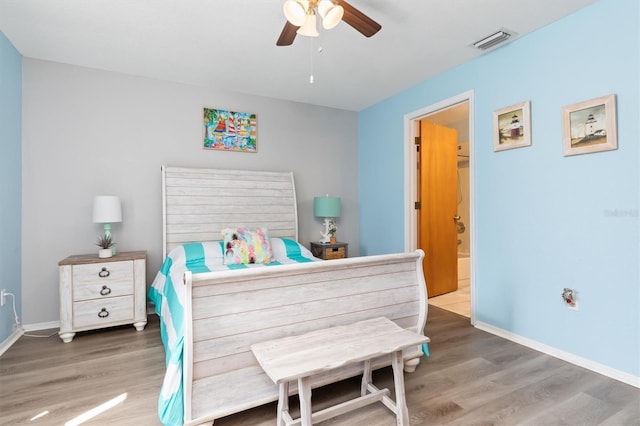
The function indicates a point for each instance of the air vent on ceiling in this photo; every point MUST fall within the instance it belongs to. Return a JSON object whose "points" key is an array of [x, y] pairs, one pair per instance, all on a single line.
{"points": [[493, 39]]}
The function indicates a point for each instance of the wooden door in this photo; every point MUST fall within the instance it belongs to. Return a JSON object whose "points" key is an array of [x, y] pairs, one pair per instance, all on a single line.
{"points": [[438, 180]]}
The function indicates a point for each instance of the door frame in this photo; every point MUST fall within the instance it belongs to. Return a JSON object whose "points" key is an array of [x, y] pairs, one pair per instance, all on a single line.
{"points": [[411, 130]]}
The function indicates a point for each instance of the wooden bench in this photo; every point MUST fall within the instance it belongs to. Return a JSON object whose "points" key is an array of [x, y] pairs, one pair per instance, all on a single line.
{"points": [[301, 357]]}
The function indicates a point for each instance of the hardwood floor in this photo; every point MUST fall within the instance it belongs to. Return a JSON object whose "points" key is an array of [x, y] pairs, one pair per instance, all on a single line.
{"points": [[471, 378]]}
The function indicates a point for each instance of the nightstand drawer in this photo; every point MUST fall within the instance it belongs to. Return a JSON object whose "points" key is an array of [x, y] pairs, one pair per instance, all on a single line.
{"points": [[102, 312], [328, 251], [335, 253], [103, 272], [101, 290]]}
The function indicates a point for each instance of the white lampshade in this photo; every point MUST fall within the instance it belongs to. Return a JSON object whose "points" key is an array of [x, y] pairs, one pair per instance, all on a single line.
{"points": [[330, 13], [309, 27], [107, 209], [296, 11]]}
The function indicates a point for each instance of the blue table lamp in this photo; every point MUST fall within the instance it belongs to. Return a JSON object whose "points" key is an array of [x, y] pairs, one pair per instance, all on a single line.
{"points": [[327, 208], [107, 210]]}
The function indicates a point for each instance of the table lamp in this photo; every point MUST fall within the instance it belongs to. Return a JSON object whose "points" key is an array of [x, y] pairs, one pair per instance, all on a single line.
{"points": [[107, 210], [327, 208]]}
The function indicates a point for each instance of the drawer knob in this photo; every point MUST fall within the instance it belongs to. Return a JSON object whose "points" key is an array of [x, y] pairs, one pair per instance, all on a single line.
{"points": [[104, 273], [105, 291], [103, 313]]}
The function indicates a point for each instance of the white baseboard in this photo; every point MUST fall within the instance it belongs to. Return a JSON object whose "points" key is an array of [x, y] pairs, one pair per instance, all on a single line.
{"points": [[21, 330], [41, 326], [560, 354], [9, 341]]}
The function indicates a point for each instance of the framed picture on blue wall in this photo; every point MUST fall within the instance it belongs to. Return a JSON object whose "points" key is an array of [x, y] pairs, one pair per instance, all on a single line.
{"points": [[512, 126], [590, 126]]}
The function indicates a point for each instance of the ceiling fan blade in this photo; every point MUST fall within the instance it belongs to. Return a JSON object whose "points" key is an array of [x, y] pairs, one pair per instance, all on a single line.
{"points": [[359, 20], [287, 35]]}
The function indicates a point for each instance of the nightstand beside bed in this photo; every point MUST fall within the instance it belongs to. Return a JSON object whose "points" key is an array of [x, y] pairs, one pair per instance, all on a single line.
{"points": [[102, 292], [330, 251]]}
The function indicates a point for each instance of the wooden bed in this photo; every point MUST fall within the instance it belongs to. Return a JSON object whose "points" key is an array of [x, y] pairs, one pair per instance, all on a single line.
{"points": [[225, 312]]}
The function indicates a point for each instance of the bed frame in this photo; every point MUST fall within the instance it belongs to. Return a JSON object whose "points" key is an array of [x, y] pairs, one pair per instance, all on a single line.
{"points": [[226, 312]]}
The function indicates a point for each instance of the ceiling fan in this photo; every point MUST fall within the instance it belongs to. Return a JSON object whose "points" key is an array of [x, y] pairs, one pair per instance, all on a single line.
{"points": [[301, 19]]}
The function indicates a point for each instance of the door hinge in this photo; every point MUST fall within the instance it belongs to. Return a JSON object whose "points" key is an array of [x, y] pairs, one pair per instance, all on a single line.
{"points": [[418, 205], [417, 141]]}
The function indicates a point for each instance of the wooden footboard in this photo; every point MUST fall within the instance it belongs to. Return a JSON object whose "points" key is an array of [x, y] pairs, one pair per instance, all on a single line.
{"points": [[227, 312]]}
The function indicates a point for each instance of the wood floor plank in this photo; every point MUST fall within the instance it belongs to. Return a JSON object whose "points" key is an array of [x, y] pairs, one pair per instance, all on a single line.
{"points": [[629, 415], [614, 392], [471, 378], [580, 409], [527, 402]]}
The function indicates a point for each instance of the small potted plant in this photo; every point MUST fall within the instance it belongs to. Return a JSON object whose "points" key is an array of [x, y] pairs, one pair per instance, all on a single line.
{"points": [[332, 231], [105, 242]]}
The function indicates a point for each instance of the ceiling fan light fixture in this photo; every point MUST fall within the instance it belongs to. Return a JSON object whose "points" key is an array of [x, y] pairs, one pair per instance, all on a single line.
{"points": [[324, 6], [296, 11], [332, 16], [309, 27], [331, 13]]}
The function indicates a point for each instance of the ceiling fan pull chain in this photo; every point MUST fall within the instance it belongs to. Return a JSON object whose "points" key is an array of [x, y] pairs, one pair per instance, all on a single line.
{"points": [[311, 62]]}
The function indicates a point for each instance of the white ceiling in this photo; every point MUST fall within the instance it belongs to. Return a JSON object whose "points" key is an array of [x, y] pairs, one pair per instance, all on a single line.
{"points": [[230, 44]]}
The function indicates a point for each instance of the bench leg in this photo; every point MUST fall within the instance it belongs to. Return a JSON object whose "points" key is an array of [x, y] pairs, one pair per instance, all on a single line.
{"points": [[402, 412], [304, 392], [283, 402], [366, 378]]}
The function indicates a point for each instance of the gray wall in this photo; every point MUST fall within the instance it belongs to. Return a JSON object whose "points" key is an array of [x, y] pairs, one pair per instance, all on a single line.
{"points": [[89, 132]]}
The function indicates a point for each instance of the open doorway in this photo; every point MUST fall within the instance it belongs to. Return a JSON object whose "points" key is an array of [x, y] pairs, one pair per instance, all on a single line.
{"points": [[454, 115]]}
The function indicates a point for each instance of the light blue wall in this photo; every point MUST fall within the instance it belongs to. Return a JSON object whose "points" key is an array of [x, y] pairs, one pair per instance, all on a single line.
{"points": [[543, 221], [10, 178]]}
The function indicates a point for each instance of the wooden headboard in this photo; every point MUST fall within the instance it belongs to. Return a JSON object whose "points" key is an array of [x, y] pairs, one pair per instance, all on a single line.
{"points": [[198, 203]]}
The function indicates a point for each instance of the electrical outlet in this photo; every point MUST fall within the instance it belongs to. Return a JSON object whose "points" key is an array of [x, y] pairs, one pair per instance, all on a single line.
{"points": [[3, 297], [570, 298]]}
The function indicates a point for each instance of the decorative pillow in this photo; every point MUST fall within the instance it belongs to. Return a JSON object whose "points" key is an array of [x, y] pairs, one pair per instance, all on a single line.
{"points": [[244, 246]]}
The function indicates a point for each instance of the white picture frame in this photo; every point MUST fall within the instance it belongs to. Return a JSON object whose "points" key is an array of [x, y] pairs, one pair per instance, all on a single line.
{"points": [[590, 126], [512, 126]]}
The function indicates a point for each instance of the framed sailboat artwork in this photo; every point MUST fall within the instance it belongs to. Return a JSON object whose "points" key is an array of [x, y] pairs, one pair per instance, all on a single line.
{"points": [[225, 130]]}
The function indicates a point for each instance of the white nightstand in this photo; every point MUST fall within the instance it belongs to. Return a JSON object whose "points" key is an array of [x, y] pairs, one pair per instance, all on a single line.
{"points": [[97, 293]]}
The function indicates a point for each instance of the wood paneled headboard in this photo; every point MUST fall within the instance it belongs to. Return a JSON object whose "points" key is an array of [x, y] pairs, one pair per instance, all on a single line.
{"points": [[197, 203]]}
